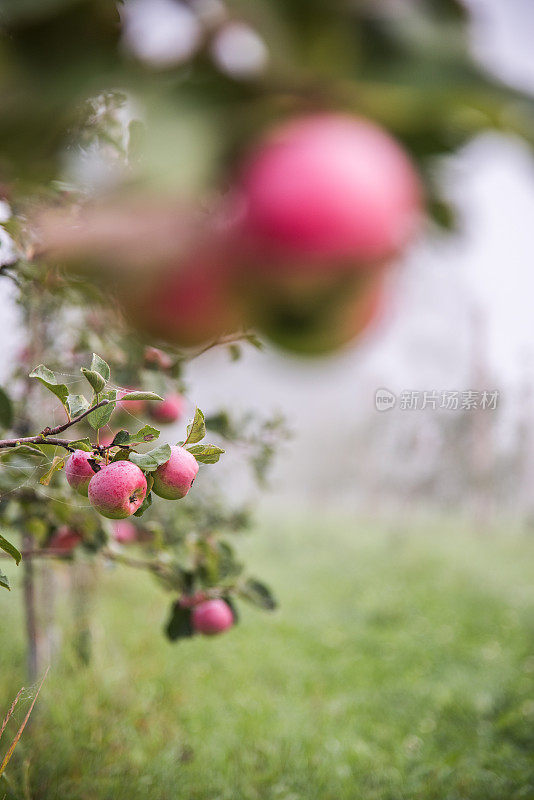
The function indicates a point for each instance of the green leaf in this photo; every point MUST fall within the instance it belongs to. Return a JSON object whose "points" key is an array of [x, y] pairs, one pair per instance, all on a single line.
{"points": [[57, 463], [97, 419], [102, 367], [77, 404], [206, 453], [6, 410], [197, 429], [233, 608], [222, 424], [145, 434], [82, 444], [179, 625], [95, 379], [150, 461], [48, 379], [141, 396], [37, 449], [227, 566], [258, 594], [10, 549], [4, 581], [147, 502], [121, 455]]}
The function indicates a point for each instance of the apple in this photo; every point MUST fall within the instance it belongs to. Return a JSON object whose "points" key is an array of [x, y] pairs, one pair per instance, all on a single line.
{"points": [[65, 539], [78, 471], [168, 410], [173, 479], [131, 406], [124, 531], [117, 491], [154, 357], [188, 302], [211, 617], [329, 192]]}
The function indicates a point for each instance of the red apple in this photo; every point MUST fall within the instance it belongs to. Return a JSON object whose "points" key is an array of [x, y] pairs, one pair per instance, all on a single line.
{"points": [[188, 302], [211, 617], [78, 471], [157, 358], [124, 531], [117, 491], [173, 479], [168, 410], [65, 539], [328, 191]]}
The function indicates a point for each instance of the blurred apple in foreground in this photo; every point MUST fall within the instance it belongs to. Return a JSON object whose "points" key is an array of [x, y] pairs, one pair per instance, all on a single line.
{"points": [[188, 303], [328, 201], [317, 211], [317, 322], [329, 192]]}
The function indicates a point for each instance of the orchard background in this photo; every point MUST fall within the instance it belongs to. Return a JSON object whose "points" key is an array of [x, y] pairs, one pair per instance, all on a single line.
{"points": [[227, 230]]}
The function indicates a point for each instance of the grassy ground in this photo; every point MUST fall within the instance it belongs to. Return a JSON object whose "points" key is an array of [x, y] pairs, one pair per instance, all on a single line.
{"points": [[399, 666]]}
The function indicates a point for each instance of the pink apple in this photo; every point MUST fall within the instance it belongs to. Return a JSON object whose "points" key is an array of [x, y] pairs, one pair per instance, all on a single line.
{"points": [[65, 539], [78, 471], [157, 358], [117, 491], [131, 406], [124, 531], [173, 479], [211, 617], [168, 410], [187, 302], [327, 191]]}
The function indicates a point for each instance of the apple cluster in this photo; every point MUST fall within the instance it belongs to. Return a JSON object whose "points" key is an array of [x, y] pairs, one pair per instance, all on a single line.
{"points": [[117, 490]]}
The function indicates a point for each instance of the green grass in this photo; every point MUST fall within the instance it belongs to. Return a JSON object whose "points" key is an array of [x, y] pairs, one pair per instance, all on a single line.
{"points": [[399, 667]]}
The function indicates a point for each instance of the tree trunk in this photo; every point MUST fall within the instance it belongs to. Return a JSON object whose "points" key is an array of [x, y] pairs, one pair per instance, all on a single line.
{"points": [[29, 609]]}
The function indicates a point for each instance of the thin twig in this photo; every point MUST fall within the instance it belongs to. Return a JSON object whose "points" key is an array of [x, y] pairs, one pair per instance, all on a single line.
{"points": [[48, 435], [61, 428], [222, 340], [39, 439]]}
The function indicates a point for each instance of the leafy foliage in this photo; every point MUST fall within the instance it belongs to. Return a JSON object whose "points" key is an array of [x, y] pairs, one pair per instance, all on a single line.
{"points": [[48, 379], [10, 549], [6, 410], [179, 624], [197, 429]]}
